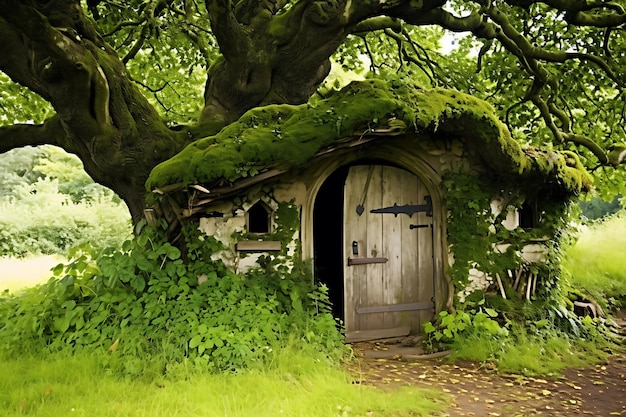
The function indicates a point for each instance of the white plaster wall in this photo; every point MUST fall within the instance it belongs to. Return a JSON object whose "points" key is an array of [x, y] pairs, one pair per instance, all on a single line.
{"points": [[234, 221]]}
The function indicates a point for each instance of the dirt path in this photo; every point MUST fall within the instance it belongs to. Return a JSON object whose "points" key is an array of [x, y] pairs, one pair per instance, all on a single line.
{"points": [[598, 391]]}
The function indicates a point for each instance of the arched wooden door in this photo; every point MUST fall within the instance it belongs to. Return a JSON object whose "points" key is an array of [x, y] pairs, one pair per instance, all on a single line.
{"points": [[388, 252]]}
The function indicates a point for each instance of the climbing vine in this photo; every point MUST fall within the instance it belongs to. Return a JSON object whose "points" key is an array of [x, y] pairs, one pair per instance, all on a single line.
{"points": [[504, 297], [491, 261]]}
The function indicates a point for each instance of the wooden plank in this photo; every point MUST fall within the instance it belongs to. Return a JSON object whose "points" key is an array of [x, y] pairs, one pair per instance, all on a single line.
{"points": [[410, 253], [363, 335], [425, 267], [375, 272], [394, 186], [258, 245], [396, 307], [365, 261], [354, 230]]}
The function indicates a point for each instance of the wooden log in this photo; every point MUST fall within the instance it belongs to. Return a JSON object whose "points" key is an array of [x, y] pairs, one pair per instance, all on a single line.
{"points": [[500, 286]]}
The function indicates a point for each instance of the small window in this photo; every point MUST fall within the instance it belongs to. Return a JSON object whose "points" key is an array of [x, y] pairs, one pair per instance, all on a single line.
{"points": [[527, 216], [259, 218]]}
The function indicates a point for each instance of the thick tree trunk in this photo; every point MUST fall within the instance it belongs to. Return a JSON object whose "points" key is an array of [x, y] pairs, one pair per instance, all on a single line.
{"points": [[268, 57], [101, 116]]}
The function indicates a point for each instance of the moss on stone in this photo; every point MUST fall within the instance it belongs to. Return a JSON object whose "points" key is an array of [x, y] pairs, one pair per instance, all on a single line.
{"points": [[288, 136]]}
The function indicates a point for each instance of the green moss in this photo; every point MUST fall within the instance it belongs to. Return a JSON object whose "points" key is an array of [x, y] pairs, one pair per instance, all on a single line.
{"points": [[283, 135], [288, 136], [561, 168]]}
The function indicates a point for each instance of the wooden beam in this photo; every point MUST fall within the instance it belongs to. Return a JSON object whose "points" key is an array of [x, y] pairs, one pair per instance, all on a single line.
{"points": [[365, 261], [258, 245], [396, 307]]}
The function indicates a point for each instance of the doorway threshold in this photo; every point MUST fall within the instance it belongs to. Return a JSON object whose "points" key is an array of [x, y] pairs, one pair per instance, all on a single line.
{"points": [[365, 335]]}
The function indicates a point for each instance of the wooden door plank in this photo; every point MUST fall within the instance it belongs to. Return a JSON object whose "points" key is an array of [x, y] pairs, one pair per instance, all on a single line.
{"points": [[392, 238], [355, 230], [375, 277], [396, 307], [425, 261], [409, 276]]}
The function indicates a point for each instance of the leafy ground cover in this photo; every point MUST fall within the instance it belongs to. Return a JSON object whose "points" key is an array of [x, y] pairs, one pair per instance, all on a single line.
{"points": [[524, 376], [481, 390]]}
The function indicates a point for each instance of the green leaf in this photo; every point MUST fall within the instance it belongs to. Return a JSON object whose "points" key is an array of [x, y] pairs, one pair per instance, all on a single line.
{"points": [[58, 270], [173, 253], [67, 281], [195, 341], [138, 283], [61, 324], [428, 327]]}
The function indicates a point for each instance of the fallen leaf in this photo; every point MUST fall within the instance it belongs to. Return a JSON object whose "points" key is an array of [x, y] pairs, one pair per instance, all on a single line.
{"points": [[114, 346]]}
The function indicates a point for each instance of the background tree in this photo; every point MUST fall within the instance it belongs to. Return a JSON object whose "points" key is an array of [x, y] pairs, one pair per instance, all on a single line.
{"points": [[127, 85], [49, 205]]}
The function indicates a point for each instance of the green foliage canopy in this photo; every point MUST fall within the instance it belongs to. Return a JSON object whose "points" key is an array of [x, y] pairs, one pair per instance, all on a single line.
{"points": [[108, 81], [128, 86]]}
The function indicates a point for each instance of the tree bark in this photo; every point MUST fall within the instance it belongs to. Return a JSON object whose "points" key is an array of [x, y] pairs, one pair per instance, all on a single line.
{"points": [[101, 116], [273, 51], [53, 49]]}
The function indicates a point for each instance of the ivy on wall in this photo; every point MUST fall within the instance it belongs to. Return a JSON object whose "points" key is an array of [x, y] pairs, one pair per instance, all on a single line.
{"points": [[286, 225], [478, 241]]}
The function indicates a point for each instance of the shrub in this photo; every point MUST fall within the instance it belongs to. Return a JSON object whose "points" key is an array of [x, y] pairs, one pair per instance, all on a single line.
{"points": [[49, 223], [144, 301]]}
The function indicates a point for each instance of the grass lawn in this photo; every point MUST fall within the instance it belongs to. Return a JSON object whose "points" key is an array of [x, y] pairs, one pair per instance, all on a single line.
{"points": [[81, 386], [20, 273], [596, 262]]}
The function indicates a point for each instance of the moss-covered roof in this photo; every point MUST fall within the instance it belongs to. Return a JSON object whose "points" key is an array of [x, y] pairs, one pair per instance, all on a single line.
{"points": [[288, 136]]}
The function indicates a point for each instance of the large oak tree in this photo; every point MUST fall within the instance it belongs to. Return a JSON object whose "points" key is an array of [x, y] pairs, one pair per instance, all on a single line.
{"points": [[128, 84]]}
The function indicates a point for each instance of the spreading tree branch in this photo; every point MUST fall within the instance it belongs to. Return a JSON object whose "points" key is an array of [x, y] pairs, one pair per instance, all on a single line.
{"points": [[19, 135]]}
